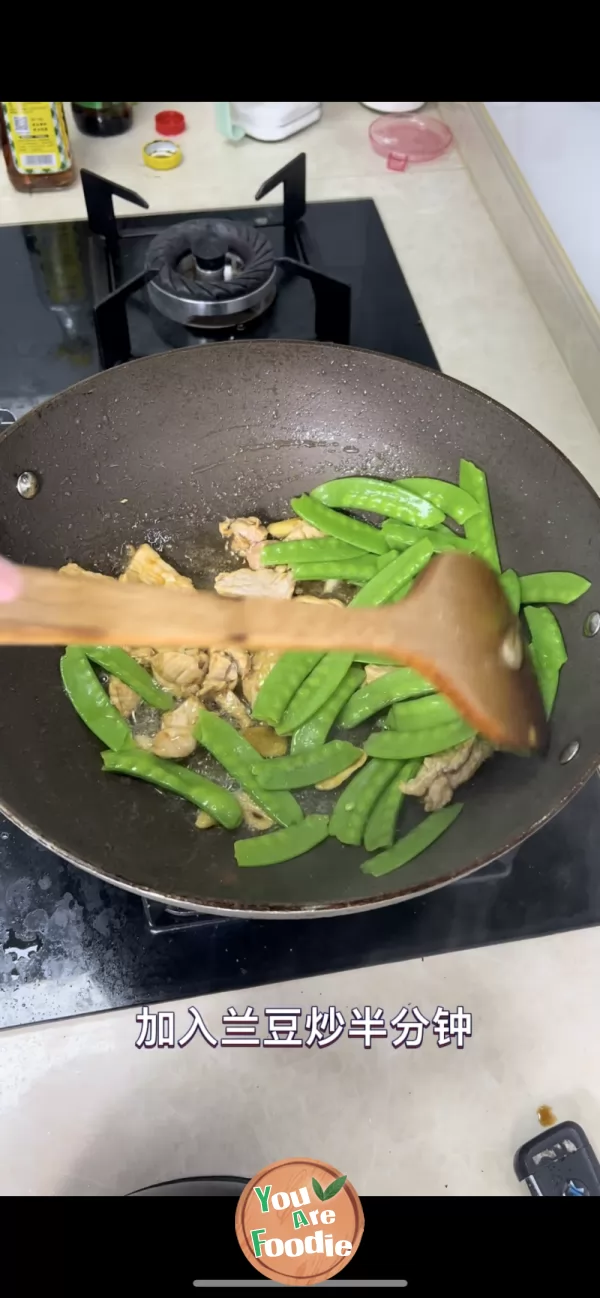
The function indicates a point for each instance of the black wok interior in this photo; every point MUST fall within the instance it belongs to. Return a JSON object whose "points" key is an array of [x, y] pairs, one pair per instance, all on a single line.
{"points": [[161, 450]]}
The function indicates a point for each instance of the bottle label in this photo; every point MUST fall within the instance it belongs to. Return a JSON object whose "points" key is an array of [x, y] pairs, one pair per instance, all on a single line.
{"points": [[37, 137]]}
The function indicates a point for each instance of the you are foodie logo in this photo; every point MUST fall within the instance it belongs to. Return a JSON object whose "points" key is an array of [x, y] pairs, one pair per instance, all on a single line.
{"points": [[299, 1221]]}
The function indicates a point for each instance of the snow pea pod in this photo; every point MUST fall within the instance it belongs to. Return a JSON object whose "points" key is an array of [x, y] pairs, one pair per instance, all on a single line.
{"points": [[354, 571], [284, 679], [511, 586], [331, 669], [452, 500], [377, 496], [121, 664], [548, 652], [315, 690], [480, 528], [355, 803], [314, 732], [90, 700], [381, 825], [283, 844], [301, 770], [442, 538], [403, 683], [242, 761], [382, 588], [363, 535], [395, 745], [218, 802], [423, 713], [552, 587], [322, 549], [405, 849]]}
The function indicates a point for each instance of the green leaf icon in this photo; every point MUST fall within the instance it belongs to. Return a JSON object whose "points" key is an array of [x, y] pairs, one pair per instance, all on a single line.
{"points": [[335, 1187], [320, 1193]]}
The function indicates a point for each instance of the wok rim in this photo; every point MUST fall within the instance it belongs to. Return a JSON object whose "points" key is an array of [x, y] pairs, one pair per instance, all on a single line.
{"points": [[233, 909]]}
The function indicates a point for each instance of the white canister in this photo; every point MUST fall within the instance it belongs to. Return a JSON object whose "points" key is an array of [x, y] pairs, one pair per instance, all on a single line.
{"points": [[264, 120], [395, 108]]}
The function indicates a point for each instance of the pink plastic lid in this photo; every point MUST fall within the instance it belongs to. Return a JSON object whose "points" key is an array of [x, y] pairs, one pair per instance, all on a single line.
{"points": [[409, 139]]}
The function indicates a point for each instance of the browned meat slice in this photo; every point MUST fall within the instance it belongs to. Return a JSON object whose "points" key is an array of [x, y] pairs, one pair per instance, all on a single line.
{"points": [[228, 703], [181, 671], [440, 775], [175, 737], [268, 583], [222, 674], [124, 699], [261, 663], [148, 567], [243, 534]]}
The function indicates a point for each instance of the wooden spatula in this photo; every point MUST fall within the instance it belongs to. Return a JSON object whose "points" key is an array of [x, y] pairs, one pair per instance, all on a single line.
{"points": [[455, 627]]}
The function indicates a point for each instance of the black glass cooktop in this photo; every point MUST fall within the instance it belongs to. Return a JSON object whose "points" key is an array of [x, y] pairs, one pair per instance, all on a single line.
{"points": [[75, 298]]}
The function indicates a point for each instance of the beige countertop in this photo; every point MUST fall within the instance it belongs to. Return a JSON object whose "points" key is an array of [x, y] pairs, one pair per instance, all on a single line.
{"points": [[427, 1121]]}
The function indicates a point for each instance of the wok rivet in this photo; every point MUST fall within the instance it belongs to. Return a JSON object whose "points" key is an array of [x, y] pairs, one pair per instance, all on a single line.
{"points": [[591, 625], [28, 484], [569, 752]]}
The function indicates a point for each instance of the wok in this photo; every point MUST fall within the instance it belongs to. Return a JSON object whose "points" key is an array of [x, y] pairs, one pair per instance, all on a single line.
{"points": [[160, 450]]}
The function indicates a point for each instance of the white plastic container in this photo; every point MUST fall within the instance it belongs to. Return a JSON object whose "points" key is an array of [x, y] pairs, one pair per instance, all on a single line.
{"points": [[386, 107], [264, 120]]}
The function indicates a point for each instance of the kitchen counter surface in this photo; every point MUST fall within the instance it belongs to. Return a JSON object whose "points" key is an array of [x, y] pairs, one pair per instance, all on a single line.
{"points": [[540, 1045]]}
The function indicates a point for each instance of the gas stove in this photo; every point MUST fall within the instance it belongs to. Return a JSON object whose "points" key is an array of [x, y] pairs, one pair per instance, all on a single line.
{"points": [[88, 295]]}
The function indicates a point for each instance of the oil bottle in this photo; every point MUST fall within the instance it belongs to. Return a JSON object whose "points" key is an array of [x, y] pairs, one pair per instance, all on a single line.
{"points": [[35, 144]]}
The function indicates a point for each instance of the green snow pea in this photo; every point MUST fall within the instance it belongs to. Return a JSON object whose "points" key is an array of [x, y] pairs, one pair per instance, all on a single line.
{"points": [[552, 587], [284, 679], [354, 571], [243, 762], [401, 535], [548, 652], [364, 535], [405, 849], [315, 690], [90, 700], [314, 732], [301, 770], [511, 586], [423, 713], [282, 844], [377, 496], [381, 825], [321, 549], [363, 568], [317, 687], [403, 683], [357, 800], [218, 802], [121, 664], [480, 528], [388, 583], [452, 500], [396, 746]]}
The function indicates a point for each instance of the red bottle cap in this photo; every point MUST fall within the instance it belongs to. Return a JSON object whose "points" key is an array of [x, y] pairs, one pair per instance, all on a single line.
{"points": [[169, 122]]}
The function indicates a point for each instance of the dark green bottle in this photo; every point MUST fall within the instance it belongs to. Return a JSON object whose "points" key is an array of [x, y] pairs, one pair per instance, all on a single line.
{"points": [[102, 118]]}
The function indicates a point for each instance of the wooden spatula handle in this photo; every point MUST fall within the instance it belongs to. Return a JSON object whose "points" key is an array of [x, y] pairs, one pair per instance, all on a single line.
{"points": [[56, 609]]}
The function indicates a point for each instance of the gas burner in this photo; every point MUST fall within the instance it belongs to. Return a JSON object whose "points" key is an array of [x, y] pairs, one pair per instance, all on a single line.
{"points": [[211, 273]]}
